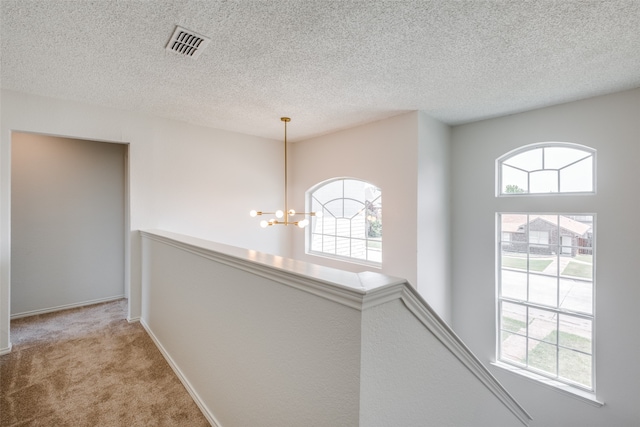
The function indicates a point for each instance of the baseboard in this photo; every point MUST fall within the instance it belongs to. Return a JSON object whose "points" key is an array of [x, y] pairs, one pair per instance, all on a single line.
{"points": [[65, 307], [194, 394], [6, 350], [133, 319]]}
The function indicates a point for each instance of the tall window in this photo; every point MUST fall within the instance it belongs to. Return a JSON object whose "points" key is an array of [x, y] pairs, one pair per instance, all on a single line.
{"points": [[351, 224], [545, 264]]}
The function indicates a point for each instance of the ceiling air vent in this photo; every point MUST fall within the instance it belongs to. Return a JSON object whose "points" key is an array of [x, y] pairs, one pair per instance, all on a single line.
{"points": [[187, 43]]}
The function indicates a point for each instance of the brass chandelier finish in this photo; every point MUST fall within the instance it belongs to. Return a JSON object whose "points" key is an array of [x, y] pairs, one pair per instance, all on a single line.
{"points": [[286, 213]]}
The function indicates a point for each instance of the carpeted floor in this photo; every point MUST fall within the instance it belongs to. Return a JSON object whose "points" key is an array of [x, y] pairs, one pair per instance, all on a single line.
{"points": [[89, 367]]}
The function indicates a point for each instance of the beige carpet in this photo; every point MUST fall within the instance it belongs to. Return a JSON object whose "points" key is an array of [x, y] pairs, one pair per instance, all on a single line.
{"points": [[89, 367]]}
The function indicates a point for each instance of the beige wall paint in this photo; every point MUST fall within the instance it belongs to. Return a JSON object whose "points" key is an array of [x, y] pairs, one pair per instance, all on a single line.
{"points": [[383, 153]]}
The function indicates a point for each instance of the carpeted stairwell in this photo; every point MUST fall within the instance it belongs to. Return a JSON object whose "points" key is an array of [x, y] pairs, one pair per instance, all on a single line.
{"points": [[89, 367]]}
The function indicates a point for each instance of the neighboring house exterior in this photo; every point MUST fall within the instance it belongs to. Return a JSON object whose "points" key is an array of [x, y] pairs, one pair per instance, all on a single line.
{"points": [[545, 234]]}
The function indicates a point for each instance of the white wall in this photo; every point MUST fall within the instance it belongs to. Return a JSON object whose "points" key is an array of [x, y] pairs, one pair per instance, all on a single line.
{"points": [[261, 340], [611, 125], [68, 219], [433, 233], [410, 379], [254, 349], [182, 177]]}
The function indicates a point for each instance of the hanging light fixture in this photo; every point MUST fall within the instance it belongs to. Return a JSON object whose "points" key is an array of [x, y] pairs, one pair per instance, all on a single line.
{"points": [[286, 213]]}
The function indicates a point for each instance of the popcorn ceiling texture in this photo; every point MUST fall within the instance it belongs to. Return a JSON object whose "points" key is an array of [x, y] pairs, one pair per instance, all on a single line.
{"points": [[327, 64]]}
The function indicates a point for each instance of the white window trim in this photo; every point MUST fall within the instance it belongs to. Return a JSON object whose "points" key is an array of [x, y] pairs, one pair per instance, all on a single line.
{"points": [[566, 389], [309, 231], [576, 390], [508, 155]]}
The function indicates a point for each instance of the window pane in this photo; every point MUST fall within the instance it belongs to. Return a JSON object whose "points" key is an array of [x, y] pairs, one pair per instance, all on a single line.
{"points": [[352, 222], [329, 225], [514, 285], [577, 177], [543, 289], [543, 325], [578, 264], [513, 347], [575, 366], [514, 180], [559, 157], [354, 189], [514, 318], [316, 242], [335, 208], [329, 191], [329, 244], [529, 160], [543, 356], [575, 333], [343, 246], [537, 236], [543, 182], [358, 249], [374, 250], [358, 227], [316, 206], [576, 295], [343, 227], [353, 208]]}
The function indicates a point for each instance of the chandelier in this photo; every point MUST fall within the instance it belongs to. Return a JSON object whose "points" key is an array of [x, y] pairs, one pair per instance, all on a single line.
{"points": [[282, 217]]}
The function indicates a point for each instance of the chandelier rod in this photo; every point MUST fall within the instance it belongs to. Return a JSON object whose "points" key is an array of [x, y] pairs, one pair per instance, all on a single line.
{"points": [[286, 192]]}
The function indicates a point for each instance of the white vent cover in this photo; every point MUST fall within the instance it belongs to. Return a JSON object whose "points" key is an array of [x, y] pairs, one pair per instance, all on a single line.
{"points": [[187, 43]]}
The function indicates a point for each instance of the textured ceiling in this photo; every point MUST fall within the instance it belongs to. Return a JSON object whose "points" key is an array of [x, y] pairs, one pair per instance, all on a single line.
{"points": [[327, 64]]}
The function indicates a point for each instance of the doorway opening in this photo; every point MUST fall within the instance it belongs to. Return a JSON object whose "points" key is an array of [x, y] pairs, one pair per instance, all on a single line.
{"points": [[70, 240]]}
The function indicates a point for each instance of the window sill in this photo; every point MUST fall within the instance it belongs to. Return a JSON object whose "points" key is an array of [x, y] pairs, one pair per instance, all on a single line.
{"points": [[576, 393]]}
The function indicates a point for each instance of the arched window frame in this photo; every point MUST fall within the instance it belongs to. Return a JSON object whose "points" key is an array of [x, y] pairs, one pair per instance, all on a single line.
{"points": [[371, 244], [501, 161], [517, 207]]}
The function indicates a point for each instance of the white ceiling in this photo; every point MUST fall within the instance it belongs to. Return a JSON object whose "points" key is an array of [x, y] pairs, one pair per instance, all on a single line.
{"points": [[329, 65]]}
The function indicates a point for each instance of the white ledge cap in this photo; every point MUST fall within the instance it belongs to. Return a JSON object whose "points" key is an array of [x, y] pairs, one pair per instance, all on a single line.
{"points": [[363, 283]]}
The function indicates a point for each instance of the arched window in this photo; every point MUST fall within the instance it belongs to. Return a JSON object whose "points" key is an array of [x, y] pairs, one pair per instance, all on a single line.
{"points": [[546, 263], [547, 168], [351, 223]]}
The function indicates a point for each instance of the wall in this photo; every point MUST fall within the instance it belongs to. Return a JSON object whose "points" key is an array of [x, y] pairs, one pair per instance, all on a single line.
{"points": [[410, 379], [433, 233], [253, 348], [611, 125], [68, 219], [182, 177], [264, 340], [383, 153], [407, 157]]}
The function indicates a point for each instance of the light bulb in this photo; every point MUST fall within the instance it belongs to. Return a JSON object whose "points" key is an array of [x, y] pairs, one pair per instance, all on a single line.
{"points": [[318, 214], [279, 214], [292, 212], [303, 223], [253, 213], [264, 224]]}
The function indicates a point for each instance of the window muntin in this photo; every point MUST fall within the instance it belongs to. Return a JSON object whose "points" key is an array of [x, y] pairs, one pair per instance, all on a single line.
{"points": [[547, 168], [545, 295], [351, 223]]}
